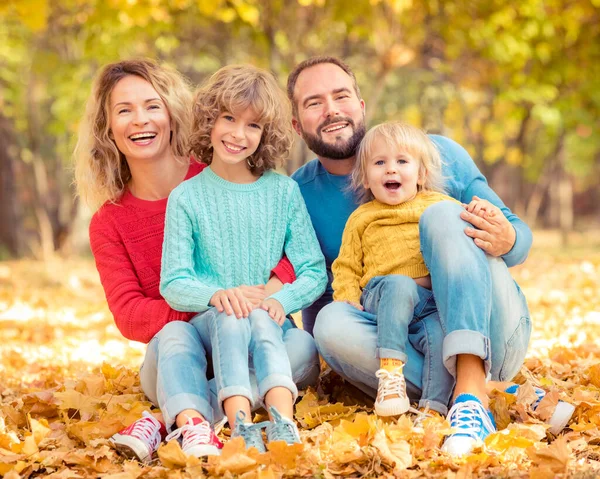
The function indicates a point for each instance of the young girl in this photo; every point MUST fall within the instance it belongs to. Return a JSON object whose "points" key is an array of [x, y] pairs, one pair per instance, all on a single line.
{"points": [[228, 227], [380, 268]]}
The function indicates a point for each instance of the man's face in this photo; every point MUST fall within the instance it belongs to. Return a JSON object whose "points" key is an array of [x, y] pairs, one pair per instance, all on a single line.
{"points": [[331, 117]]}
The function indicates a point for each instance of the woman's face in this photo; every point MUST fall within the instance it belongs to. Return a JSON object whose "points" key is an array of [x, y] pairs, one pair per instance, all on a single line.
{"points": [[139, 121]]}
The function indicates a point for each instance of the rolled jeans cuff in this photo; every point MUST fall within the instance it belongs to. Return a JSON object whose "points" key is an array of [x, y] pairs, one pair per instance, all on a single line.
{"points": [[232, 391], [433, 405], [391, 354], [180, 402], [276, 380], [465, 341]]}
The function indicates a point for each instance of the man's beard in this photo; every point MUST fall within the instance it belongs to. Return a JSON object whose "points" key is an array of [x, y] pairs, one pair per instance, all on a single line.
{"points": [[336, 151]]}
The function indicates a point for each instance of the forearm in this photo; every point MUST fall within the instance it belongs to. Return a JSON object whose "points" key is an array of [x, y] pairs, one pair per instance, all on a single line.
{"points": [[187, 294]]}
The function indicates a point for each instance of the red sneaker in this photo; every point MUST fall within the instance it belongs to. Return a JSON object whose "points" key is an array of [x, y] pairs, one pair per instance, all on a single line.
{"points": [[197, 438], [140, 439]]}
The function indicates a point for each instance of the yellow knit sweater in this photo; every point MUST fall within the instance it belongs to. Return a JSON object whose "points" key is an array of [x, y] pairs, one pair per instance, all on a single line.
{"points": [[378, 240]]}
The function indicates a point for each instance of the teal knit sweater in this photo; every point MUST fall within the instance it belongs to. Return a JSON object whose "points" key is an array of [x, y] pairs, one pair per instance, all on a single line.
{"points": [[220, 235]]}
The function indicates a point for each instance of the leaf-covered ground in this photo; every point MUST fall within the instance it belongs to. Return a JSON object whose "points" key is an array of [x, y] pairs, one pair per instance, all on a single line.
{"points": [[68, 380]]}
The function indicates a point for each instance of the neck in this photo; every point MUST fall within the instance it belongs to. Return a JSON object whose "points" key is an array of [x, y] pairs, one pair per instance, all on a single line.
{"points": [[238, 173], [155, 180], [338, 167]]}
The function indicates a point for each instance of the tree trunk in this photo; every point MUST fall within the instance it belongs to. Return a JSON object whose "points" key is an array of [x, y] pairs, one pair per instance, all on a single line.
{"points": [[10, 207]]}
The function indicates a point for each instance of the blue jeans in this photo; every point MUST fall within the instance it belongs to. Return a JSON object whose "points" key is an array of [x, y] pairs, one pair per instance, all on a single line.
{"points": [[481, 311], [309, 315], [233, 340], [394, 300], [173, 374]]}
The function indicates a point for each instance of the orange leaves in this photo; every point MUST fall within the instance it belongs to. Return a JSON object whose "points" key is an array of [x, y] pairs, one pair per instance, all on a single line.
{"points": [[57, 411]]}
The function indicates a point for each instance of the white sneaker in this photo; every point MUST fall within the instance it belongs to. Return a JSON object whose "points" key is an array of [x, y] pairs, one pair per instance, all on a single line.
{"points": [[197, 438], [140, 439], [391, 384], [561, 416], [471, 423]]}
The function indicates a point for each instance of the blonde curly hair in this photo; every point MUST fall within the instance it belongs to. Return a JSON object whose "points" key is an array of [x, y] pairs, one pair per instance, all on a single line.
{"points": [[404, 137], [101, 170], [234, 89]]}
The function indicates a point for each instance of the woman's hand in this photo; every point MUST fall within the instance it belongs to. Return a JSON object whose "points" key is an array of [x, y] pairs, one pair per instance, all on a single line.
{"points": [[255, 294], [275, 310], [232, 301]]}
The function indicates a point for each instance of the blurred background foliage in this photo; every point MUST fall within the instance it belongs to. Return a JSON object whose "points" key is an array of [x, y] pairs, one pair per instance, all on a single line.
{"points": [[516, 83]]}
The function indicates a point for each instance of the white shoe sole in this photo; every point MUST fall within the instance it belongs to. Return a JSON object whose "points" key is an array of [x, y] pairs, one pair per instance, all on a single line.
{"points": [[202, 451], [561, 417], [131, 448], [392, 407]]}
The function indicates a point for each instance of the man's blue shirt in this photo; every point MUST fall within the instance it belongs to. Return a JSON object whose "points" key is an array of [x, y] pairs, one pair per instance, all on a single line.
{"points": [[330, 202]]}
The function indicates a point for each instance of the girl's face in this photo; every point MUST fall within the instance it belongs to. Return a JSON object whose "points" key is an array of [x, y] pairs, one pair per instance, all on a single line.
{"points": [[392, 174], [235, 137], [139, 120]]}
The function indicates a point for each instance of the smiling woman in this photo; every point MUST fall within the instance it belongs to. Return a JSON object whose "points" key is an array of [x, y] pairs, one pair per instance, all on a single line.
{"points": [[131, 153]]}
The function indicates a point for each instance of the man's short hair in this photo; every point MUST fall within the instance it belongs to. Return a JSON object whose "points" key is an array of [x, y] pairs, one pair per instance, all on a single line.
{"points": [[311, 62]]}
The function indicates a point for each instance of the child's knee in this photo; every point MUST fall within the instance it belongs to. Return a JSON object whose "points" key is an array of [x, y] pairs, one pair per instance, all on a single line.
{"points": [[261, 323]]}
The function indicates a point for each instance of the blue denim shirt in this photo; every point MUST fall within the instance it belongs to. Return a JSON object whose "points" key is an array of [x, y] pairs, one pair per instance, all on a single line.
{"points": [[330, 202]]}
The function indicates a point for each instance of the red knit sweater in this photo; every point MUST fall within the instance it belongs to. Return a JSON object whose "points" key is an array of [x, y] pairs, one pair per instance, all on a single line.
{"points": [[126, 240]]}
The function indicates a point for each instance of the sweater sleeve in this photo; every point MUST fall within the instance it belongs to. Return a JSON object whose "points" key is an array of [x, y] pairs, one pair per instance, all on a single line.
{"points": [[473, 183], [303, 250], [348, 267], [284, 271], [137, 316], [179, 284]]}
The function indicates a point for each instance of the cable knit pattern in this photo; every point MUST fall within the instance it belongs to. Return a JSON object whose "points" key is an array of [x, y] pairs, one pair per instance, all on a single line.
{"points": [[219, 235], [378, 240], [126, 239]]}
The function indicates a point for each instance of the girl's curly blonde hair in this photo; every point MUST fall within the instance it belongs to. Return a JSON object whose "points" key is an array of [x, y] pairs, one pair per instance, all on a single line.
{"points": [[101, 170], [404, 137], [234, 89]]}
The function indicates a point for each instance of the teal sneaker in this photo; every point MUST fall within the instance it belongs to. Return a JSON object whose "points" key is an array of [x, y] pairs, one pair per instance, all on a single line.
{"points": [[250, 432], [472, 424], [282, 429]]}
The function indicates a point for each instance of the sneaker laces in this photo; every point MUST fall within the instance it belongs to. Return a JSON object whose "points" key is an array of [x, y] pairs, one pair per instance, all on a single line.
{"points": [[251, 433], [192, 434], [390, 383], [147, 430], [421, 416], [282, 429], [466, 417]]}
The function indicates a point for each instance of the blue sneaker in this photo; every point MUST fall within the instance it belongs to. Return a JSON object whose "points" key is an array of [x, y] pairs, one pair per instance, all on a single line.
{"points": [[282, 429], [472, 424], [250, 432], [561, 416]]}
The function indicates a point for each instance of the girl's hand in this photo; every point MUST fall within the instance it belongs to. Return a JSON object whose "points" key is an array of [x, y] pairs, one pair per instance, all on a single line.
{"points": [[480, 207], [232, 301], [254, 294], [275, 310]]}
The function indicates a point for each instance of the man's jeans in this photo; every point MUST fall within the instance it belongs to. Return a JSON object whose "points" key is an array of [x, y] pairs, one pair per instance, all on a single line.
{"points": [[481, 311], [173, 374]]}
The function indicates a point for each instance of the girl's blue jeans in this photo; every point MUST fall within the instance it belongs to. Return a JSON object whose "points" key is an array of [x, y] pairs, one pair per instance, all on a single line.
{"points": [[173, 374], [481, 311]]}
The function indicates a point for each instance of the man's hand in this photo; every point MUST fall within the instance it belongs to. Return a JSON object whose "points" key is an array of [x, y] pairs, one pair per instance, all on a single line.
{"points": [[275, 310], [232, 301], [494, 234]]}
